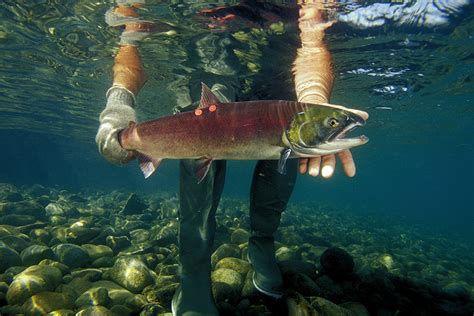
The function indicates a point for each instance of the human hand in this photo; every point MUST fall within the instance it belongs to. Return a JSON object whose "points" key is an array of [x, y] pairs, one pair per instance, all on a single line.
{"points": [[327, 163], [116, 116]]}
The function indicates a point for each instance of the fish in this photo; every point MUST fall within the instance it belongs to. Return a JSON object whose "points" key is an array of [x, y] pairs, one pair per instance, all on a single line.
{"points": [[249, 130]]}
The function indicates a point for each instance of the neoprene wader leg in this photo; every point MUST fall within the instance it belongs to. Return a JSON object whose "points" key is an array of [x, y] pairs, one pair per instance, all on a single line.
{"points": [[197, 226], [269, 197]]}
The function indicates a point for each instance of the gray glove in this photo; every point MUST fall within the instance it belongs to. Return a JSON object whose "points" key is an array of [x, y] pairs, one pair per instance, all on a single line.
{"points": [[116, 116]]}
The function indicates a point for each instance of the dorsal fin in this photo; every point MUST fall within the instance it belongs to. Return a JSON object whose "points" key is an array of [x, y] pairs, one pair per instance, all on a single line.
{"points": [[208, 98]]}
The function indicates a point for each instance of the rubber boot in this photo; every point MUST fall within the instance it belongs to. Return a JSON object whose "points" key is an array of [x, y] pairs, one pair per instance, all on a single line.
{"points": [[269, 197]]}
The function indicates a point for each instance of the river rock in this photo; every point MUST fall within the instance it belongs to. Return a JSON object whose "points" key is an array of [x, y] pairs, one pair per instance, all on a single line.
{"points": [[97, 251], [225, 250], [41, 235], [337, 263], [45, 302], [238, 265], [118, 243], [33, 280], [134, 205], [8, 258], [54, 209], [104, 262], [71, 255], [94, 297], [62, 312], [356, 308], [13, 197], [88, 274], [226, 285], [27, 207], [17, 220], [285, 253], [161, 294], [291, 267], [239, 236], [303, 284], [35, 253], [328, 308], [95, 311], [15, 242], [131, 273]]}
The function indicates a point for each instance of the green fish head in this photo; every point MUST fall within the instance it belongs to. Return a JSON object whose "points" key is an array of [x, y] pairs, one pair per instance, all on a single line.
{"points": [[320, 130]]}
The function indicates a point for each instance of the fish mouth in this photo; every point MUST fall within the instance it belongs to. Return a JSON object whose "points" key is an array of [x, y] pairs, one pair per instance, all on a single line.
{"points": [[340, 142]]}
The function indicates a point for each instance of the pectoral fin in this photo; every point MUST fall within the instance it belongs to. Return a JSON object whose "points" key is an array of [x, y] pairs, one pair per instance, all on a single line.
{"points": [[284, 155], [202, 168], [147, 164]]}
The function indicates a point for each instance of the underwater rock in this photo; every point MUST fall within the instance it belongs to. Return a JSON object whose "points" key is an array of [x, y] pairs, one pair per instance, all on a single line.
{"points": [[95, 311], [54, 209], [45, 302], [71, 255], [131, 273], [303, 284], [17, 220], [48, 262], [118, 243], [285, 253], [329, 288], [457, 291], [27, 207], [62, 312], [13, 197], [35, 253], [139, 235], [226, 285], [169, 208], [337, 263], [8, 258], [356, 308], [312, 253], [133, 205], [166, 235], [17, 243], [328, 308], [121, 310], [225, 250], [104, 262], [33, 280], [94, 297], [238, 265], [297, 305], [248, 289], [75, 287], [97, 251], [38, 190], [239, 236], [170, 269], [153, 309], [78, 234], [161, 294], [292, 267], [88, 274], [41, 235]]}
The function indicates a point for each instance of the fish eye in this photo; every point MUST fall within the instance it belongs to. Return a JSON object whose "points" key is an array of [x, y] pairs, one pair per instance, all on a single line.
{"points": [[333, 122]]}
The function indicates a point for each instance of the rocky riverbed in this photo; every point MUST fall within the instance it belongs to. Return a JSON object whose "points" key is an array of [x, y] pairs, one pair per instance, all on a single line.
{"points": [[115, 253]]}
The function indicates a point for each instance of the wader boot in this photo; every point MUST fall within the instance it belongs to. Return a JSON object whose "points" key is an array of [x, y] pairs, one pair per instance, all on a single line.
{"points": [[197, 227], [269, 196]]}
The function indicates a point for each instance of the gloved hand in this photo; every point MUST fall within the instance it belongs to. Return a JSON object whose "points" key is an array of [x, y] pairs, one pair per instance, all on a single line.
{"points": [[116, 116]]}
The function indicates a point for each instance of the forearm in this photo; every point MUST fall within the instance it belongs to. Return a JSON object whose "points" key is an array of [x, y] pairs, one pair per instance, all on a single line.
{"points": [[312, 67]]}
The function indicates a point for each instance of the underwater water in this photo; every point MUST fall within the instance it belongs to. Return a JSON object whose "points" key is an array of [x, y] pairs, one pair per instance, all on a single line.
{"points": [[406, 219]]}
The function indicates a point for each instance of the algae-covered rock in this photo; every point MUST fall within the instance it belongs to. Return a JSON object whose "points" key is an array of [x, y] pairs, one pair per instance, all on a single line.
{"points": [[225, 250], [337, 263], [17, 219], [162, 294], [97, 251], [328, 308], [239, 236], [17, 243], [45, 302], [8, 258], [134, 205], [238, 265], [356, 308], [131, 273], [33, 280], [285, 253], [35, 253], [62, 312], [94, 297], [95, 311], [226, 284], [71, 255], [118, 243]]}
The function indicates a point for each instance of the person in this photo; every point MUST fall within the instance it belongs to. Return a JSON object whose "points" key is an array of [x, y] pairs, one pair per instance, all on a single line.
{"points": [[270, 190]]}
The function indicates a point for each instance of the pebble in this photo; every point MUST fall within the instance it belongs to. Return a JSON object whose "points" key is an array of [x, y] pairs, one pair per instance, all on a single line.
{"points": [[226, 285], [35, 253], [71, 255], [8, 258], [46, 302]]}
